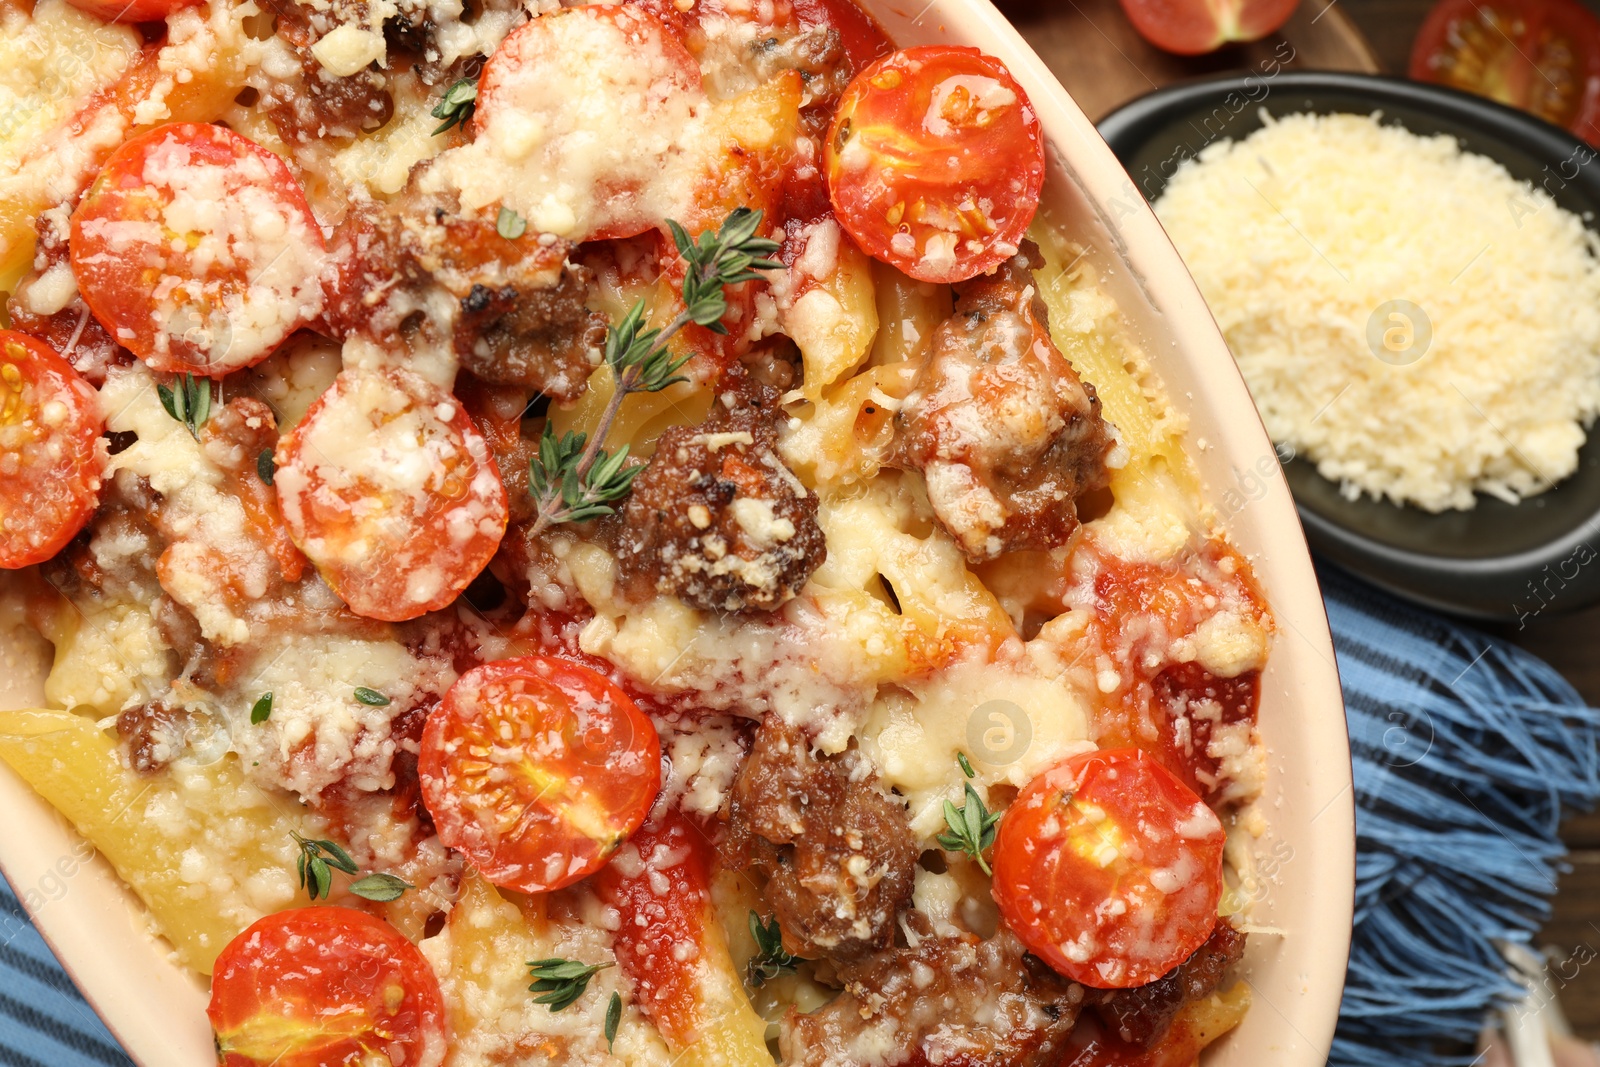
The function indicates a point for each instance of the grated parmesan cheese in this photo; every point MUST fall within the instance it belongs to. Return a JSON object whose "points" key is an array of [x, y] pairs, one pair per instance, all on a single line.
{"points": [[1302, 235]]}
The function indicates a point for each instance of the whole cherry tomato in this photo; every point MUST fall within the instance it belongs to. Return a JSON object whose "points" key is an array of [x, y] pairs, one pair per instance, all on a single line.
{"points": [[1192, 27]]}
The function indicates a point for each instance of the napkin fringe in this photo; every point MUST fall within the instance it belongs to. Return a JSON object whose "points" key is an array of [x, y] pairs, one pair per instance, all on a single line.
{"points": [[1467, 752]]}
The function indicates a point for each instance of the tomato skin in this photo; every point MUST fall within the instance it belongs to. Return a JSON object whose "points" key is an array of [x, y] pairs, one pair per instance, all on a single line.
{"points": [[390, 490], [935, 161], [537, 769], [196, 249], [1542, 56], [863, 39], [133, 10], [325, 986], [1194, 27], [52, 457], [1109, 826]]}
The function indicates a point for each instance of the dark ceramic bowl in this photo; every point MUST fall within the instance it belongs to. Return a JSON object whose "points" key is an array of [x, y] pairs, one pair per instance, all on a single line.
{"points": [[1498, 560]]}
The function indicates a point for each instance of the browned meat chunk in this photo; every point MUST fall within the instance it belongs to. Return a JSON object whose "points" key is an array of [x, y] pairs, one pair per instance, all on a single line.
{"points": [[998, 422], [1141, 1015], [319, 105], [952, 1001], [513, 310], [718, 519], [837, 851], [154, 734]]}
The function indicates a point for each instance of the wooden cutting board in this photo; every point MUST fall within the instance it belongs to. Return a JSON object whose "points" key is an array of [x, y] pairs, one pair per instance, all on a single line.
{"points": [[1101, 59]]}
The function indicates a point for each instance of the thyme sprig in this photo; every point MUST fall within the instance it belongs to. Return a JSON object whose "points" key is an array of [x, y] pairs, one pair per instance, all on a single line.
{"points": [[573, 477], [559, 982], [188, 400], [318, 860], [456, 106], [972, 827], [770, 959]]}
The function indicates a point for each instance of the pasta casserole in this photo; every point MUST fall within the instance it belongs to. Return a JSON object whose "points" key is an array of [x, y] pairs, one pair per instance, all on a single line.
{"points": [[608, 533]]}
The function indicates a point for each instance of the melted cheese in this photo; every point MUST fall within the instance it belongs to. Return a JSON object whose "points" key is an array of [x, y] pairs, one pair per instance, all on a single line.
{"points": [[205, 525]]}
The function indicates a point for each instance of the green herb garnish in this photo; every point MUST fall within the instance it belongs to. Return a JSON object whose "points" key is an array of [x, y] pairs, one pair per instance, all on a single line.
{"points": [[770, 959], [456, 106], [316, 859], [267, 465], [319, 859], [261, 710], [188, 403], [972, 828], [559, 982], [573, 478], [371, 697], [510, 225], [380, 887], [966, 765], [613, 1020]]}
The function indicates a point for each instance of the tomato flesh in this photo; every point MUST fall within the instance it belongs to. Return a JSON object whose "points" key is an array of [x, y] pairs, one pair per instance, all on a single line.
{"points": [[132, 10], [1109, 868], [323, 986], [391, 492], [537, 769], [51, 454], [935, 161], [196, 250], [1542, 56], [1194, 27]]}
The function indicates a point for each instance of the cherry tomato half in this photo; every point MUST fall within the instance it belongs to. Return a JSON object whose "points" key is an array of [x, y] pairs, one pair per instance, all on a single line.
{"points": [[1193, 27], [316, 987], [391, 492], [935, 161], [1542, 56], [588, 184], [196, 250], [51, 454], [1109, 868], [537, 769], [132, 10]]}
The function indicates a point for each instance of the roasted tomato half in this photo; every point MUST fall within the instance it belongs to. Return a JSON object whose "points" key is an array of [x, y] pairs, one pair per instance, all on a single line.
{"points": [[935, 160], [316, 987], [537, 769], [51, 454], [1109, 868]]}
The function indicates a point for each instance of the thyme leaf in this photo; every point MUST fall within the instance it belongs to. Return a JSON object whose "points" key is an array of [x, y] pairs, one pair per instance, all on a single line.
{"points": [[559, 982]]}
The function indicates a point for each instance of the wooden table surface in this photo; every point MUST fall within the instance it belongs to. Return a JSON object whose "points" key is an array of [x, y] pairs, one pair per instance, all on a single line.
{"points": [[1094, 51]]}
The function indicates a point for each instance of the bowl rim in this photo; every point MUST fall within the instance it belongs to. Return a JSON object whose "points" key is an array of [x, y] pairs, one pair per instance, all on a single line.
{"points": [[1488, 587], [1297, 1002]]}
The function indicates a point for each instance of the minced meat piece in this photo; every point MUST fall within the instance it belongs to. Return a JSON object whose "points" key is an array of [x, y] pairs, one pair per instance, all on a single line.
{"points": [[1141, 1015], [1003, 430], [954, 1001], [718, 519], [418, 273], [837, 851]]}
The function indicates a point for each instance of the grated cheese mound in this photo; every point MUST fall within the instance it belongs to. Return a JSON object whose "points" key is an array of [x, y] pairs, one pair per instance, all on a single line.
{"points": [[1300, 233]]}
